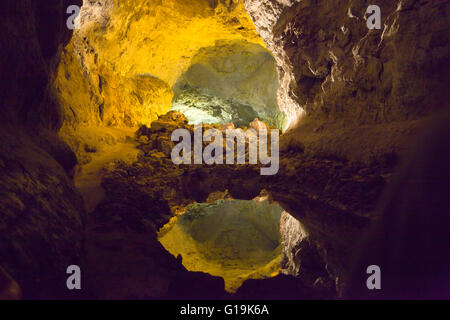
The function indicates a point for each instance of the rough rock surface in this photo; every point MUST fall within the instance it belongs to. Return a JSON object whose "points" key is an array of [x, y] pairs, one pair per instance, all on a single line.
{"points": [[354, 98], [9, 289], [331, 65], [41, 213]]}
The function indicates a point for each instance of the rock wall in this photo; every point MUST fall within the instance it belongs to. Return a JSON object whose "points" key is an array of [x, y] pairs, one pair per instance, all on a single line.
{"points": [[332, 66], [41, 213], [355, 98]]}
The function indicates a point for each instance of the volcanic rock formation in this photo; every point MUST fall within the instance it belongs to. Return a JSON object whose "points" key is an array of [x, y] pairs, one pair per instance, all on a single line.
{"points": [[349, 100]]}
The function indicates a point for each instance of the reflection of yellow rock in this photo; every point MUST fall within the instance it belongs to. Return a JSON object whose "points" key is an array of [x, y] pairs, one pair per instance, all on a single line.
{"points": [[236, 240]]}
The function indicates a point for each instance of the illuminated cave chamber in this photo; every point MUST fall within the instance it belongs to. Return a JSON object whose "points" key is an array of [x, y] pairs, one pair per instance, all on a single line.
{"points": [[234, 239], [133, 61], [129, 65], [359, 97], [232, 81]]}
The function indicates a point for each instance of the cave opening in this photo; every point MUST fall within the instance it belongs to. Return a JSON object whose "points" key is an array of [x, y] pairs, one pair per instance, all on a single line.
{"points": [[233, 239], [230, 82]]}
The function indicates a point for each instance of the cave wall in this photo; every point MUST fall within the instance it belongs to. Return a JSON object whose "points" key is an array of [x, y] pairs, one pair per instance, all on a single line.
{"points": [[349, 91], [332, 66], [353, 86], [355, 99], [41, 213]]}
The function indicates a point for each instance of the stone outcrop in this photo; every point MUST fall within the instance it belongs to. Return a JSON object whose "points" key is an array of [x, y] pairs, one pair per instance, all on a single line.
{"points": [[300, 256]]}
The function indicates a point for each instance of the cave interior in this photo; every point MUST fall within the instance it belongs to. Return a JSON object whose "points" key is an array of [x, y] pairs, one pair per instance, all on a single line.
{"points": [[87, 178]]}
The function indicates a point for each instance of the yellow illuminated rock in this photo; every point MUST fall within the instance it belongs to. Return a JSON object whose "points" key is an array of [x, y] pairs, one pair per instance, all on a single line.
{"points": [[119, 68]]}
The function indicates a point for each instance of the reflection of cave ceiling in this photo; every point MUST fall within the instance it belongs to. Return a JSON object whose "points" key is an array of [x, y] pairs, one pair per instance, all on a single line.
{"points": [[236, 240]]}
